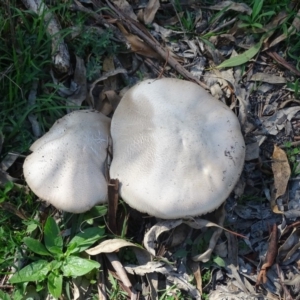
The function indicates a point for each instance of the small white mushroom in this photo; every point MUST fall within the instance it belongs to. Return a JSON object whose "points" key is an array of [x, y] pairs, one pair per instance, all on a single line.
{"points": [[177, 151], [67, 165]]}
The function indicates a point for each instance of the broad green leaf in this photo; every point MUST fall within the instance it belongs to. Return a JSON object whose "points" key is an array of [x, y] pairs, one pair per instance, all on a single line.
{"points": [[219, 261], [4, 296], [77, 266], [241, 58], [85, 239], [37, 270], [55, 284], [52, 236], [36, 246]]}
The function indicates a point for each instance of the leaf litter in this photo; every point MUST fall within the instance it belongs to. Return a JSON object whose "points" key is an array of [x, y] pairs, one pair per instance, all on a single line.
{"points": [[266, 200]]}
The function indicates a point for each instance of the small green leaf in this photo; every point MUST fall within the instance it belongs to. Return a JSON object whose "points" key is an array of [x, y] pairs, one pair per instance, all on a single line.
{"points": [[55, 284], [241, 58], [53, 238], [55, 264], [219, 261], [267, 14], [31, 227], [37, 270], [85, 239], [256, 8], [36, 246], [77, 266], [257, 25]]}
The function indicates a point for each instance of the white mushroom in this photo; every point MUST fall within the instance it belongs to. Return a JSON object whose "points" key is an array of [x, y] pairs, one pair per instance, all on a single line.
{"points": [[67, 165], [177, 151]]}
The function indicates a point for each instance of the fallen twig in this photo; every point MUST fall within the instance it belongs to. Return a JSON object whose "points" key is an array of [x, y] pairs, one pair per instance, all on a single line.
{"points": [[79, 7], [115, 262], [113, 198], [283, 62], [137, 29]]}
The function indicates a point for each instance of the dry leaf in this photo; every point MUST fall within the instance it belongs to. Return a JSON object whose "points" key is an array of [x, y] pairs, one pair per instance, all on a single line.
{"points": [[152, 235], [270, 78], [230, 5], [137, 45], [150, 267], [80, 94], [281, 170], [126, 8], [102, 78], [150, 11], [109, 246]]}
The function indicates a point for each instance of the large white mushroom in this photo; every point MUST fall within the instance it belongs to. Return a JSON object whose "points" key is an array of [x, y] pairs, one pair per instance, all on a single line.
{"points": [[177, 151], [67, 165]]}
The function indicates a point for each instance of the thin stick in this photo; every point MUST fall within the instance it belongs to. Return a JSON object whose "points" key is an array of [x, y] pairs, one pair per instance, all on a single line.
{"points": [[137, 29]]}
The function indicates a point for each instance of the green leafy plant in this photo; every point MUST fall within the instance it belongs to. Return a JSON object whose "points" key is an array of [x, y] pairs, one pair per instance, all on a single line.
{"points": [[294, 86], [4, 193], [292, 155], [53, 262], [115, 291], [173, 293], [256, 18]]}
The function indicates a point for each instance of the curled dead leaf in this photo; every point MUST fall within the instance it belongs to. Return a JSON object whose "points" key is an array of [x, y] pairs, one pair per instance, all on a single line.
{"points": [[281, 170]]}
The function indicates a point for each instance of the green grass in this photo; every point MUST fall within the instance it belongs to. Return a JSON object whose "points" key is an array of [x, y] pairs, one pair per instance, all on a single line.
{"points": [[25, 52]]}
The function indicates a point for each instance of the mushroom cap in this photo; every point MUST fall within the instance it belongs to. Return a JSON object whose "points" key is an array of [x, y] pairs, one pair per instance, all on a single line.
{"points": [[177, 151], [67, 165]]}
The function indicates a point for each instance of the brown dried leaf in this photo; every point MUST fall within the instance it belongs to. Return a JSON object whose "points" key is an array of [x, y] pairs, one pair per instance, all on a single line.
{"points": [[139, 46], [113, 98], [152, 235], [14, 210], [109, 246], [195, 268], [80, 79], [106, 75], [150, 11], [281, 170]]}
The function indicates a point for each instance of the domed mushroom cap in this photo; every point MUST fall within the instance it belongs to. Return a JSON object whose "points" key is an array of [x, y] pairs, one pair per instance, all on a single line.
{"points": [[66, 167], [177, 151]]}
